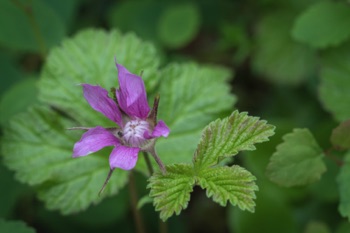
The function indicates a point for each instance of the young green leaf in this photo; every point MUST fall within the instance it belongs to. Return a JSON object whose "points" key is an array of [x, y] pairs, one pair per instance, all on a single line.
{"points": [[335, 81], [344, 188], [340, 136], [324, 24], [191, 96], [14, 227], [297, 160], [171, 191], [226, 137], [37, 146], [229, 184]]}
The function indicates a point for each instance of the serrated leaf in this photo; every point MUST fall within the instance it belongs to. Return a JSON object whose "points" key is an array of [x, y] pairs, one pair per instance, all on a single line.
{"points": [[340, 136], [344, 188], [277, 56], [88, 57], [178, 24], [14, 227], [39, 148], [335, 81], [298, 160], [226, 137], [191, 96], [324, 24], [229, 184], [171, 191]]}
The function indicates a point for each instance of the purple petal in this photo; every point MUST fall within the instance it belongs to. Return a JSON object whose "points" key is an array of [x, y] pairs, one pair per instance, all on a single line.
{"points": [[161, 129], [131, 95], [93, 140], [123, 157], [98, 99]]}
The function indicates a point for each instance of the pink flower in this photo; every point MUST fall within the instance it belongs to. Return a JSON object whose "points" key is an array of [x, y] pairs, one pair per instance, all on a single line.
{"points": [[138, 127]]}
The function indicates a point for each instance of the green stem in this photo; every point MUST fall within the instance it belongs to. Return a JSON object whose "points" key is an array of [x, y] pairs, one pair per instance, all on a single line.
{"points": [[28, 11], [140, 227], [148, 163]]}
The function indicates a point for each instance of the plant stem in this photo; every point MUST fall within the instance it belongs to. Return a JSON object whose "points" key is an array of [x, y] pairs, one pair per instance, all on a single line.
{"points": [[163, 226], [159, 162], [148, 162], [28, 11], [140, 227]]}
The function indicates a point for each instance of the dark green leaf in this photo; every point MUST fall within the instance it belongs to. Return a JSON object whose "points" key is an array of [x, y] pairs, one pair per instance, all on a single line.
{"points": [[14, 227], [344, 188], [340, 136]]}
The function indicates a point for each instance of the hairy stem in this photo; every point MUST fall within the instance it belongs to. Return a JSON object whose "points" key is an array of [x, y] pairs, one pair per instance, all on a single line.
{"points": [[159, 162], [140, 227]]}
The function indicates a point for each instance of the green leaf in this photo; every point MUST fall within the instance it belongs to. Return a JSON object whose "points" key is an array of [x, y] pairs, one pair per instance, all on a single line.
{"points": [[277, 57], [335, 82], [233, 184], [317, 227], [14, 227], [178, 24], [340, 136], [17, 99], [171, 191], [24, 36], [323, 24], [82, 59], [226, 137], [191, 97], [344, 188], [143, 201], [298, 160], [39, 148]]}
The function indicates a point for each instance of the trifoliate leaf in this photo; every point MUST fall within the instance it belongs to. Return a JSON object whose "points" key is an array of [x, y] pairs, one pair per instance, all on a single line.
{"points": [[14, 227], [323, 24], [335, 82], [340, 136], [277, 56], [190, 97], [178, 24], [298, 160], [39, 148], [344, 188], [226, 137], [88, 57], [171, 191], [229, 184]]}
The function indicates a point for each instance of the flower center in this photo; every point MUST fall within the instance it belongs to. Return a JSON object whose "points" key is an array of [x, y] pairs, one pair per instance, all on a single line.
{"points": [[133, 132]]}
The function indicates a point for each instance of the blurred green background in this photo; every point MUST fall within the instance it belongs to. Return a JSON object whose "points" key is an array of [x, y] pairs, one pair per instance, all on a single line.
{"points": [[281, 53]]}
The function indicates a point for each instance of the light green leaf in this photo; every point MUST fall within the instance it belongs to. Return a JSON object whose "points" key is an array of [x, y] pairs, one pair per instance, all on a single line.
{"points": [[324, 24], [190, 97], [83, 59], [317, 227], [14, 227], [39, 148], [178, 24], [171, 191], [226, 137], [335, 81], [233, 184], [340, 136], [277, 57], [298, 160], [17, 99], [344, 188], [143, 201], [25, 36]]}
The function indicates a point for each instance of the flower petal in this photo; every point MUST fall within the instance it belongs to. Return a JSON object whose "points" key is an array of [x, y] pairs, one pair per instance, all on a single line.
{"points": [[161, 129], [131, 95], [123, 157], [93, 140], [98, 99]]}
